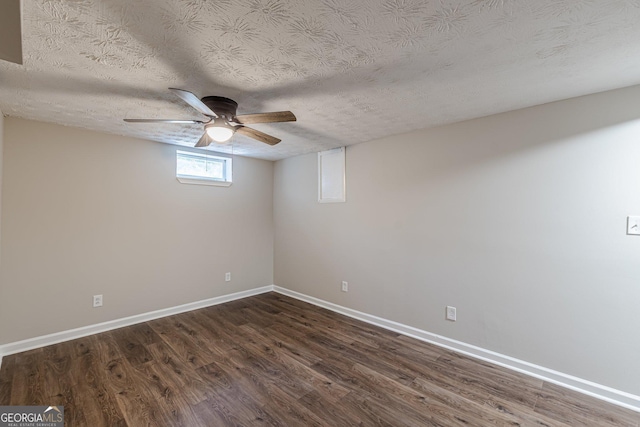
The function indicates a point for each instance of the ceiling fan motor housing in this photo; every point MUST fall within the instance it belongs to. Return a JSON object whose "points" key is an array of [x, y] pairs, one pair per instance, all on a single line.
{"points": [[223, 107]]}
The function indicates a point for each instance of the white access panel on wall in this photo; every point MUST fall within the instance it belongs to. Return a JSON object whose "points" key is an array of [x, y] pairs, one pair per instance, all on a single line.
{"points": [[331, 176]]}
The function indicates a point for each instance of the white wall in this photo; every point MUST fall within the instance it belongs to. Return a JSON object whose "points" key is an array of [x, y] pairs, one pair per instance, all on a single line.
{"points": [[516, 219], [86, 213]]}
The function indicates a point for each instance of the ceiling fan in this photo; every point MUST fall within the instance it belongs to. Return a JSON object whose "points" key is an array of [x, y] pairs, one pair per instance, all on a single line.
{"points": [[221, 119]]}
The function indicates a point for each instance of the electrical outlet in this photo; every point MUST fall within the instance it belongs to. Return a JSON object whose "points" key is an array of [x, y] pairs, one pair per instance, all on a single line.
{"points": [[451, 313], [227, 277], [97, 300], [345, 287]]}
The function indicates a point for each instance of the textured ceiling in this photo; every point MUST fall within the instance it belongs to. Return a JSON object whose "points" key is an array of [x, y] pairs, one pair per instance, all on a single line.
{"points": [[351, 70]]}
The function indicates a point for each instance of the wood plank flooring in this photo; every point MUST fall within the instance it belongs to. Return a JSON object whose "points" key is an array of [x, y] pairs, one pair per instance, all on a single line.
{"points": [[273, 360]]}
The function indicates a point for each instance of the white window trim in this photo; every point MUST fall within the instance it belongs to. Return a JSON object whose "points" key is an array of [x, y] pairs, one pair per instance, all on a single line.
{"points": [[196, 180], [204, 181]]}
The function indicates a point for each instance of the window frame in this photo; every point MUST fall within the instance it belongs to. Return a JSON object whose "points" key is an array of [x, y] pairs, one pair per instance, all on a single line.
{"points": [[227, 167]]}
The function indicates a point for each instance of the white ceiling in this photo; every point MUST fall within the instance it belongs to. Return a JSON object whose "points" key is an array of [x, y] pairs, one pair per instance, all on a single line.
{"points": [[351, 70]]}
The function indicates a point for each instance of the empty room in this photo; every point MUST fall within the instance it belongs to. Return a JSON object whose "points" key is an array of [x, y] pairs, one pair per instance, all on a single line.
{"points": [[319, 213]]}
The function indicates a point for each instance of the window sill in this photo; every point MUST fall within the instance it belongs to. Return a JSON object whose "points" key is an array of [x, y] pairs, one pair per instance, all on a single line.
{"points": [[204, 182]]}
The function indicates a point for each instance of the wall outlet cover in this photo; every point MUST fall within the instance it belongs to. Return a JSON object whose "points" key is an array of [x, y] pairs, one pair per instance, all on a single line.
{"points": [[451, 313], [227, 277], [97, 300], [345, 287]]}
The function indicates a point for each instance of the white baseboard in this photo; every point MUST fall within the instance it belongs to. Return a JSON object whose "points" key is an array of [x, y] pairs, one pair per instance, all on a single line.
{"points": [[599, 391], [58, 337]]}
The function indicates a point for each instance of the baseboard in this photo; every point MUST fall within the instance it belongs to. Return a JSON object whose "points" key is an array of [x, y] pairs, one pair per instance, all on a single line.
{"points": [[58, 337], [599, 391]]}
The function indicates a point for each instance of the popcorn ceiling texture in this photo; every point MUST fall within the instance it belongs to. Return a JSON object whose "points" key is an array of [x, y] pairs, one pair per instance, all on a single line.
{"points": [[351, 70]]}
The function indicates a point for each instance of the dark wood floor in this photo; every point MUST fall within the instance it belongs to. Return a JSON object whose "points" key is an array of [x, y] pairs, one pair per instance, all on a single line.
{"points": [[273, 360]]}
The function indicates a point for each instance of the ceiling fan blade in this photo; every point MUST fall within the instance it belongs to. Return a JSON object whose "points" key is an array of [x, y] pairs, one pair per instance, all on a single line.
{"points": [[204, 141], [162, 121], [275, 117], [193, 100], [256, 134]]}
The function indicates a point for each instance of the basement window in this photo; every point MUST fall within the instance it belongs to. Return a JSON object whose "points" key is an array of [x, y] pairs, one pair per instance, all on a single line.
{"points": [[203, 169]]}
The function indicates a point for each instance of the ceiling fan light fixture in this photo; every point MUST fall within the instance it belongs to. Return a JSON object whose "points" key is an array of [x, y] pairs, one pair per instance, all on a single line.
{"points": [[221, 119], [220, 132]]}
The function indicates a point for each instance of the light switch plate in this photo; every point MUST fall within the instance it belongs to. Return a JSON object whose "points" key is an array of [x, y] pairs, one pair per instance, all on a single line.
{"points": [[633, 225]]}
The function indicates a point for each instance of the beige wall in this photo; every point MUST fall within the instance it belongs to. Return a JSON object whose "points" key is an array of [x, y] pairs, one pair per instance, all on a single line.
{"points": [[518, 220], [86, 213]]}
